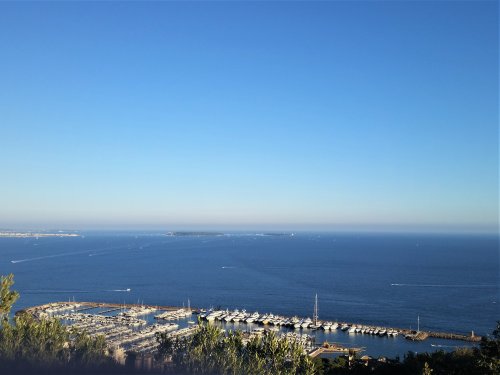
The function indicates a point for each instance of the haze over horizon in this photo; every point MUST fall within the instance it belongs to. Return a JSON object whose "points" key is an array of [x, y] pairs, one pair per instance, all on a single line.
{"points": [[250, 115]]}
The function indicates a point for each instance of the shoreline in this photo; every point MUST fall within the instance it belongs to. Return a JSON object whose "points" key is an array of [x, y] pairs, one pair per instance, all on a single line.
{"points": [[35, 235]]}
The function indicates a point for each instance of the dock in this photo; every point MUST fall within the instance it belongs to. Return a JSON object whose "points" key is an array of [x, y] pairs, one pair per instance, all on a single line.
{"points": [[331, 348], [93, 305], [111, 310]]}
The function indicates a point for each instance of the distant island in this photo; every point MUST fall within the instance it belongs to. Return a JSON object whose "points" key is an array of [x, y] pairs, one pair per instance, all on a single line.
{"points": [[36, 235], [181, 234], [195, 233]]}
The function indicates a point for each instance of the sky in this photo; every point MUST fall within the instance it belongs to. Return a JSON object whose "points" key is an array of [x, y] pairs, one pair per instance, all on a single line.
{"points": [[284, 115]]}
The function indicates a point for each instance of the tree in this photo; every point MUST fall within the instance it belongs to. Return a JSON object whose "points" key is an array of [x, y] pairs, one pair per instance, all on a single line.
{"points": [[489, 352], [31, 342], [212, 351], [7, 297], [89, 351], [28, 344]]}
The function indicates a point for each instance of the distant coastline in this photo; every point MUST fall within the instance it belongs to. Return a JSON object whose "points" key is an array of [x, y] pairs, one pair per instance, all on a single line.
{"points": [[6, 234]]}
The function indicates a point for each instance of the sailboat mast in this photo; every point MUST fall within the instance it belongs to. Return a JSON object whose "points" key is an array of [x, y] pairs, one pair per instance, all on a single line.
{"points": [[315, 317]]}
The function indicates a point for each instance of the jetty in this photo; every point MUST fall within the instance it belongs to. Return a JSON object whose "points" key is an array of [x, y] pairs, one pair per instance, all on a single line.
{"points": [[331, 348], [82, 306]]}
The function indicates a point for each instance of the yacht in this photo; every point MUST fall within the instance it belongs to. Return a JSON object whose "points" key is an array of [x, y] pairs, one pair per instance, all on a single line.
{"points": [[265, 319], [306, 323], [327, 326]]}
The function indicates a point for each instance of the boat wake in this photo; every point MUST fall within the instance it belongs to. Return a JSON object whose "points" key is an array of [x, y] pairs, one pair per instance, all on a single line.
{"points": [[93, 252], [59, 291], [227, 267], [447, 285], [48, 291], [39, 258], [443, 346], [119, 290]]}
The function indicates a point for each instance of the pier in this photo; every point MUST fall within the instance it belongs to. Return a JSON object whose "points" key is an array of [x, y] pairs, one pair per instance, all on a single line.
{"points": [[94, 305], [87, 308], [111, 310], [331, 348]]}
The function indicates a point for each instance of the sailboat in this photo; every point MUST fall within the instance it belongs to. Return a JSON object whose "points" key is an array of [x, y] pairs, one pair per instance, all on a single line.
{"points": [[315, 324]]}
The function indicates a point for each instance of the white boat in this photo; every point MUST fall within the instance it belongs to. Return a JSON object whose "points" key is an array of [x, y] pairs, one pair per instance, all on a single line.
{"points": [[265, 319], [306, 323], [334, 326], [352, 329], [210, 318], [326, 326]]}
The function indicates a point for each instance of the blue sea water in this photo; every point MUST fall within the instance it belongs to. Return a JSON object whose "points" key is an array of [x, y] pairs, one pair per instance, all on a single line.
{"points": [[450, 281]]}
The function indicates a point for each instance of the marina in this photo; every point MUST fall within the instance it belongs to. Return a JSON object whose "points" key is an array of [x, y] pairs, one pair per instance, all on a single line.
{"points": [[133, 327]]}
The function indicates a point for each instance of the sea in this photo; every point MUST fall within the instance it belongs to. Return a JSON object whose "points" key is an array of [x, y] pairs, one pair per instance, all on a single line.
{"points": [[447, 283]]}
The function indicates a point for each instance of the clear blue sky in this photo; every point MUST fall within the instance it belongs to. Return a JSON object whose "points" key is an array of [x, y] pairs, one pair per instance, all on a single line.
{"points": [[312, 115]]}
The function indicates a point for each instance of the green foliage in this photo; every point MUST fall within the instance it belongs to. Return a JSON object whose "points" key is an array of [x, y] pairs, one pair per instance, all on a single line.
{"points": [[33, 342], [489, 352], [88, 351], [7, 297], [211, 351], [27, 343]]}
